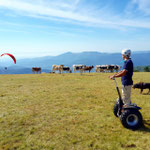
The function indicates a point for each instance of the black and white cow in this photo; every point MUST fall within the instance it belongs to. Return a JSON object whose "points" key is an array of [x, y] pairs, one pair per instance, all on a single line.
{"points": [[79, 68], [101, 68], [67, 69], [107, 68], [110, 68], [117, 68]]}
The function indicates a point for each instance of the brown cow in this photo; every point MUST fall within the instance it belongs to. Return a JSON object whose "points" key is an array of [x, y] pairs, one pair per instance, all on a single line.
{"points": [[88, 68], [36, 70], [58, 67]]}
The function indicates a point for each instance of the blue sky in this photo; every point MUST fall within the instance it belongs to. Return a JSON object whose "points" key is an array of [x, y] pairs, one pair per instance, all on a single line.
{"points": [[34, 28]]}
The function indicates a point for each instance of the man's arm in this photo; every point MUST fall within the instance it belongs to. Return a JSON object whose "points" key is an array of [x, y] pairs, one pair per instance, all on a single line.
{"points": [[119, 74]]}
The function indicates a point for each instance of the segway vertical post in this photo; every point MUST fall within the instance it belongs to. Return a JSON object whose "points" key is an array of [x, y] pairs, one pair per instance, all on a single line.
{"points": [[117, 88], [120, 102]]}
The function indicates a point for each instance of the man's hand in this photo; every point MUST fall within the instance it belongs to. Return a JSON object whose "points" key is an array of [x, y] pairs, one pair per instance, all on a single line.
{"points": [[111, 77]]}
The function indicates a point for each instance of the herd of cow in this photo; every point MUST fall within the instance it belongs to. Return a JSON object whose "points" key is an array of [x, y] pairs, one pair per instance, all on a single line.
{"points": [[80, 68]]}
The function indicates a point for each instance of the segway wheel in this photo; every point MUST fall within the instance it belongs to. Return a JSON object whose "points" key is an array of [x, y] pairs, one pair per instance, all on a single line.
{"points": [[131, 119], [115, 109]]}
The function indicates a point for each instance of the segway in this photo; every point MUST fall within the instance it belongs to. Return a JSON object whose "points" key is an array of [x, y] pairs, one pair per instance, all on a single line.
{"points": [[129, 115]]}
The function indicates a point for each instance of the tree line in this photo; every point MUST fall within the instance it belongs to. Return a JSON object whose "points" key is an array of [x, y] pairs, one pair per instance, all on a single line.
{"points": [[142, 68]]}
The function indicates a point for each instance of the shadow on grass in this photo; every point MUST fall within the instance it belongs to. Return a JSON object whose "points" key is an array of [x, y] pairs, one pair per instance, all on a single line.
{"points": [[146, 94], [146, 126]]}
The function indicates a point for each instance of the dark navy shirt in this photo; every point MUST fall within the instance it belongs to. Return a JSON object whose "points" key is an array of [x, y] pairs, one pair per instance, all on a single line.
{"points": [[127, 79]]}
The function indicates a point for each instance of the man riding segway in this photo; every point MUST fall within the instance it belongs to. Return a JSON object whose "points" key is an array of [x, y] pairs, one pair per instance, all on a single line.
{"points": [[127, 112]]}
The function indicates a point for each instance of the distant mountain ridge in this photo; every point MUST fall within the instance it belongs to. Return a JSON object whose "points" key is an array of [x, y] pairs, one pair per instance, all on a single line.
{"points": [[69, 58]]}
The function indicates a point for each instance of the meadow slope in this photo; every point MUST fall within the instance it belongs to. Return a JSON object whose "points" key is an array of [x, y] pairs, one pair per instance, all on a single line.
{"points": [[68, 112]]}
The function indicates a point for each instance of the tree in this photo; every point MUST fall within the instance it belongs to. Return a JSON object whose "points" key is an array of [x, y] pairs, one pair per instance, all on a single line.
{"points": [[146, 69], [136, 70]]}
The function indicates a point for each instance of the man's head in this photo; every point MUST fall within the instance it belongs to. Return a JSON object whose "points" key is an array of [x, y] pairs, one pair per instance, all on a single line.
{"points": [[126, 53]]}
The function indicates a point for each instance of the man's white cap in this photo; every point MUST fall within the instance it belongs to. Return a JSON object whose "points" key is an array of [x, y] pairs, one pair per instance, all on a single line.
{"points": [[126, 52]]}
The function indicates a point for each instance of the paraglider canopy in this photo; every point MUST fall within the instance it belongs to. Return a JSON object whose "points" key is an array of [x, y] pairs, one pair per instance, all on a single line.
{"points": [[14, 59]]}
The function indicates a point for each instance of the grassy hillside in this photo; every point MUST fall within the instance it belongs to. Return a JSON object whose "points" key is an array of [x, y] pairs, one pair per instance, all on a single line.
{"points": [[67, 112]]}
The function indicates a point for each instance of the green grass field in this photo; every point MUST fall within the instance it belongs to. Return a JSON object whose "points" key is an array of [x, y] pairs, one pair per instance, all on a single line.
{"points": [[68, 112]]}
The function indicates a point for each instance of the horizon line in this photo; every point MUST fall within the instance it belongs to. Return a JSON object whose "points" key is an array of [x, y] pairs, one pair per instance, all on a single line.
{"points": [[32, 57]]}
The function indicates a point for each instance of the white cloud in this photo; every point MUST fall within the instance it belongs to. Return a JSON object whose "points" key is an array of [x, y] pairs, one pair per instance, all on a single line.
{"points": [[39, 7], [76, 12], [143, 6]]}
